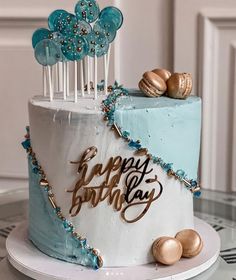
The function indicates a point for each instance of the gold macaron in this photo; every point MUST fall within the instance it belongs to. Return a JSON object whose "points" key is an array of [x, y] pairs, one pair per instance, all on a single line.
{"points": [[163, 73], [167, 250], [191, 242], [152, 84], [179, 85]]}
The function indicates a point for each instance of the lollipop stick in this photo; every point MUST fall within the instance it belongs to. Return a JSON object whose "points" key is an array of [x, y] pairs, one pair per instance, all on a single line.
{"points": [[64, 80], [67, 79], [76, 81], [60, 76], [57, 77], [108, 62], [82, 77], [52, 77], [44, 81], [105, 73], [95, 77], [50, 83], [88, 74]]}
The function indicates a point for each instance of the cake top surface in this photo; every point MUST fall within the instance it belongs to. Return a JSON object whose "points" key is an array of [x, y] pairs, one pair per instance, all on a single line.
{"points": [[88, 105]]}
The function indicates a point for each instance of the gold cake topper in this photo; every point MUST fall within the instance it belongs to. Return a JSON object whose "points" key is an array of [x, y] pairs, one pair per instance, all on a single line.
{"points": [[135, 173]]}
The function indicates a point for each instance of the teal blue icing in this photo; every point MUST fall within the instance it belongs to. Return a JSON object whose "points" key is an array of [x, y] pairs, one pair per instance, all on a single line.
{"points": [[169, 128], [47, 231]]}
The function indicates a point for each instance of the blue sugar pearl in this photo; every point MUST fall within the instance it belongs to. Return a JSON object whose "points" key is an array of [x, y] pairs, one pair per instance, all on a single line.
{"points": [[134, 145], [26, 144], [155, 159]]}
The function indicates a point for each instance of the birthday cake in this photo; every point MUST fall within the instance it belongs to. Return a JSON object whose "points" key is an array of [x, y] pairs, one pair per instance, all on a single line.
{"points": [[111, 170]]}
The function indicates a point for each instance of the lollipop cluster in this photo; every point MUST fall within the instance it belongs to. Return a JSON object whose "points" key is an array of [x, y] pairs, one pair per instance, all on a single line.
{"points": [[71, 37]]}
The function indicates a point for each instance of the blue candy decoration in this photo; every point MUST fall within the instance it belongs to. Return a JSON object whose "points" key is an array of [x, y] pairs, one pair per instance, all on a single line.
{"points": [[47, 52], [87, 10], [107, 27], [75, 47], [98, 44], [39, 35], [113, 14], [65, 24], [55, 16]]}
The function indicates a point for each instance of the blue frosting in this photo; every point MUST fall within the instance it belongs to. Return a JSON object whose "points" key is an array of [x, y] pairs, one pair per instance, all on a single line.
{"points": [[45, 226], [169, 128]]}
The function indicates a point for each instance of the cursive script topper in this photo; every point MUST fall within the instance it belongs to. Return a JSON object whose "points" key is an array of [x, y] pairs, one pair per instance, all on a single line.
{"points": [[125, 183]]}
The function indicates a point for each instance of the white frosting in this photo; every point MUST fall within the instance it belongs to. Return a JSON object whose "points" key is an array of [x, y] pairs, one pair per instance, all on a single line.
{"points": [[60, 133]]}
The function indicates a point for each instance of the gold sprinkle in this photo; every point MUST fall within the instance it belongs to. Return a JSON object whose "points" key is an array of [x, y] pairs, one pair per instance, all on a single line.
{"points": [[141, 152], [117, 130], [53, 203], [43, 183]]}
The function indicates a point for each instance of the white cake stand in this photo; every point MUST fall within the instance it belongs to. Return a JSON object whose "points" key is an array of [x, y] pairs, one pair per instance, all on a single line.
{"points": [[30, 261]]}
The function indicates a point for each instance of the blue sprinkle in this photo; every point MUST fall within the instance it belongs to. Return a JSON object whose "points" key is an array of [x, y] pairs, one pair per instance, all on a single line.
{"points": [[134, 145], [167, 167], [181, 174], [83, 242], [35, 170], [125, 134], [197, 194], [193, 183], [26, 144]]}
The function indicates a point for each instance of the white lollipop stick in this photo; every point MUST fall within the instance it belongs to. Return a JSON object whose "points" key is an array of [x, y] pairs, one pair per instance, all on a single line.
{"points": [[44, 81], [108, 62], [95, 77], [60, 76], [82, 78], [67, 79], [88, 75], [50, 83], [64, 80], [105, 73], [52, 77], [57, 78], [76, 81]]}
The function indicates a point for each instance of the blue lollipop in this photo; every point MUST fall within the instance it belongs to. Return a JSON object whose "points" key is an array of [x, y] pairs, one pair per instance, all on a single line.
{"points": [[113, 14], [64, 24], [98, 44], [107, 27], [54, 16], [87, 10], [75, 47], [39, 35], [47, 52]]}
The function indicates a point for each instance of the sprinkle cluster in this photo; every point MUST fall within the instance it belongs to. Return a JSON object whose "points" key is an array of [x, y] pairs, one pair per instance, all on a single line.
{"points": [[92, 254], [109, 107], [73, 36]]}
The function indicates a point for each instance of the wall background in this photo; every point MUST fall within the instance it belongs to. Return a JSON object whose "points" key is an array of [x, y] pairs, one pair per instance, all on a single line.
{"points": [[196, 36]]}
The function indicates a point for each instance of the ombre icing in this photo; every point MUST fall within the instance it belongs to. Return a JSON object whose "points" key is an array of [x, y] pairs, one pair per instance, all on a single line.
{"points": [[109, 107], [82, 253]]}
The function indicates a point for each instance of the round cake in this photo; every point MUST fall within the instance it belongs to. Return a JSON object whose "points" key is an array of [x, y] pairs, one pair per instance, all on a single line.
{"points": [[114, 188]]}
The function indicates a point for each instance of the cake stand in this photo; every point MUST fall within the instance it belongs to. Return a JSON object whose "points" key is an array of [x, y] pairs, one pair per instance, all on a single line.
{"points": [[30, 261]]}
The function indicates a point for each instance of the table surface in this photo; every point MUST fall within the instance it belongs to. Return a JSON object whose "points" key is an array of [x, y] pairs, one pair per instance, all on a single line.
{"points": [[218, 209]]}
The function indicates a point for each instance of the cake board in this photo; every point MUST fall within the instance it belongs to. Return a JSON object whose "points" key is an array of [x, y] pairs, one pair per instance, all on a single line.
{"points": [[26, 258]]}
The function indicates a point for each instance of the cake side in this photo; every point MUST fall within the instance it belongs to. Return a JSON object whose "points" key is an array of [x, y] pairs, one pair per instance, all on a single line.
{"points": [[60, 135]]}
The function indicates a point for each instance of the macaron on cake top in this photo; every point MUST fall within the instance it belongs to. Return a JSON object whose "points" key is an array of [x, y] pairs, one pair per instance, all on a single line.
{"points": [[163, 73], [179, 85], [152, 84]]}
